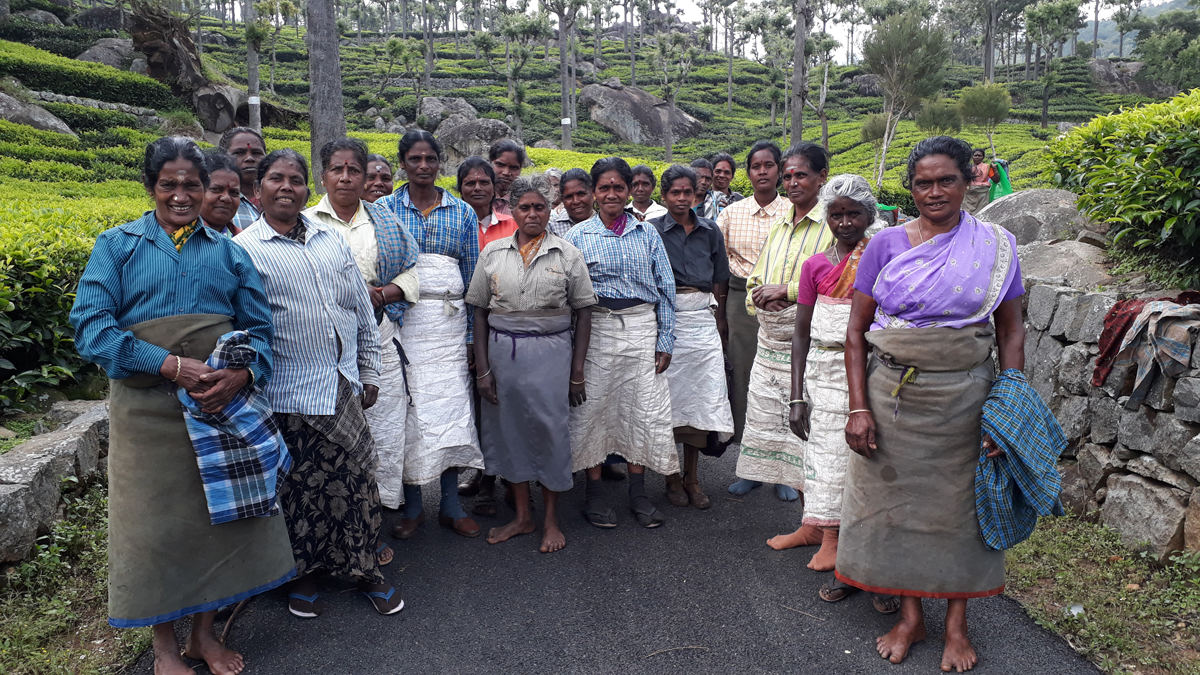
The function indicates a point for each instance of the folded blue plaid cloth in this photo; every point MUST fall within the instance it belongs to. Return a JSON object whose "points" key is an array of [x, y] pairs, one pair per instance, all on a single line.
{"points": [[1012, 490], [240, 451]]}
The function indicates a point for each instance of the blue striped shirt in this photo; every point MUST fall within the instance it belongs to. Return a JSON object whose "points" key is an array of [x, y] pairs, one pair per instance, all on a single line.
{"points": [[246, 214], [324, 322], [633, 266], [135, 274], [452, 229]]}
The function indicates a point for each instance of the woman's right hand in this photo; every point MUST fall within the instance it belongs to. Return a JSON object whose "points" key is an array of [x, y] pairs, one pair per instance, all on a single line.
{"points": [[860, 433], [186, 373], [487, 388], [798, 420], [577, 394]]}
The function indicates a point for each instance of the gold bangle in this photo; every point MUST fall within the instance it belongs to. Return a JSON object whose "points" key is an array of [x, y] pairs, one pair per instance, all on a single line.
{"points": [[583, 381], [178, 367], [858, 411]]}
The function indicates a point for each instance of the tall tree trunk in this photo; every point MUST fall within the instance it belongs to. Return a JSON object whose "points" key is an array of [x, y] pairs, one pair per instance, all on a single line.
{"points": [[989, 41], [729, 53], [325, 79], [773, 112], [1096, 30], [787, 104], [632, 46], [668, 128], [1121, 48], [1046, 102], [799, 72], [573, 77], [427, 73], [254, 108], [1037, 63], [457, 39], [274, 42], [564, 97], [1028, 54], [404, 19]]}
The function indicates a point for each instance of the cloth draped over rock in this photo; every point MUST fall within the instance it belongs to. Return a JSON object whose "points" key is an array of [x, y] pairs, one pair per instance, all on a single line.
{"points": [[1159, 341], [1117, 323]]}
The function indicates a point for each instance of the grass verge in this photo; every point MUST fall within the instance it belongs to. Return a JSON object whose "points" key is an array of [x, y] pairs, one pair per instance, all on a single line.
{"points": [[53, 608], [1138, 615]]}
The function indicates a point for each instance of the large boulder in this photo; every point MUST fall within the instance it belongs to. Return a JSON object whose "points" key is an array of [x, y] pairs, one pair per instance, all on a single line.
{"points": [[635, 115], [463, 136], [1080, 265], [1038, 215], [32, 115], [40, 16], [1121, 77], [1145, 513], [867, 85], [435, 109], [102, 18], [115, 52]]}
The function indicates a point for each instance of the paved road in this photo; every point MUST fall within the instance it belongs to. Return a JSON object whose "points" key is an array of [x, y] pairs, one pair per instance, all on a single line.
{"points": [[613, 598]]}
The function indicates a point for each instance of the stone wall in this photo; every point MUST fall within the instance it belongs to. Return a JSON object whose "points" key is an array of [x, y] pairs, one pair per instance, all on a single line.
{"points": [[1136, 469]]}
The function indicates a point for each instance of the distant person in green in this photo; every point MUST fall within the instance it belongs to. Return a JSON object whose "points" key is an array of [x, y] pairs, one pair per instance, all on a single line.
{"points": [[979, 190]]}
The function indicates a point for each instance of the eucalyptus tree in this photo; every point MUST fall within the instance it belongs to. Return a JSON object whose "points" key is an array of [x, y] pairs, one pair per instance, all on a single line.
{"points": [[325, 106], [567, 12], [803, 18], [1125, 14], [255, 33], [1050, 23], [674, 58], [822, 46], [524, 32]]}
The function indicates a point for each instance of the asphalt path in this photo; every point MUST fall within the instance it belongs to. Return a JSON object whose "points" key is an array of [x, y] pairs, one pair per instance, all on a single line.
{"points": [[701, 594]]}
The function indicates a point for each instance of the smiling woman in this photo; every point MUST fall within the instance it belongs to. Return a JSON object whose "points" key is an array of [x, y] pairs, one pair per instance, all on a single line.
{"points": [[223, 197]]}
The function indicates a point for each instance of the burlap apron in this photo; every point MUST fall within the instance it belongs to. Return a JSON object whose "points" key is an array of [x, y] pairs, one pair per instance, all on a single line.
{"points": [[743, 342], [165, 559], [699, 390], [826, 454], [909, 525], [771, 453]]}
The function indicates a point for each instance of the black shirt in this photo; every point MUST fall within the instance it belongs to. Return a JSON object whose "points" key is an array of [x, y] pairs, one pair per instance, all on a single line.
{"points": [[697, 259]]}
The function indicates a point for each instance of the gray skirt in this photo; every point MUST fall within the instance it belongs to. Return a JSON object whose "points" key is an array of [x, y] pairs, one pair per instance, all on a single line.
{"points": [[526, 436]]}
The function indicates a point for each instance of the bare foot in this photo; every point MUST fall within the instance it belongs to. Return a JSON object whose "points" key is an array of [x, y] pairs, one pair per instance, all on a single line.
{"points": [[894, 646], [825, 559], [385, 556], [807, 535], [514, 529], [959, 655], [220, 659], [169, 662], [553, 540]]}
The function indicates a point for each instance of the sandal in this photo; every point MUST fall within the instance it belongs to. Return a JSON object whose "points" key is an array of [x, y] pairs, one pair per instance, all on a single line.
{"points": [[385, 602], [886, 604], [599, 515], [485, 504], [836, 591], [382, 558], [470, 487], [648, 519], [306, 606]]}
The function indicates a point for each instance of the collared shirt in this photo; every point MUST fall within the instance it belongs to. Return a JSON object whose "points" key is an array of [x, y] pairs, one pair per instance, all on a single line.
{"points": [[653, 211], [710, 208], [324, 322], [633, 266], [494, 227], [560, 224], [745, 225], [556, 278], [246, 214], [697, 258], [360, 234], [785, 251], [452, 230], [135, 274]]}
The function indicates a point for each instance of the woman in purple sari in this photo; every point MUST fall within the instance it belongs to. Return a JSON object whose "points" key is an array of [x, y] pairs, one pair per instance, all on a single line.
{"points": [[931, 300]]}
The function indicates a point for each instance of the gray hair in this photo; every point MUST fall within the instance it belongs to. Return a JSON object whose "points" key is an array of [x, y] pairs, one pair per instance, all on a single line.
{"points": [[553, 173], [531, 183], [851, 186]]}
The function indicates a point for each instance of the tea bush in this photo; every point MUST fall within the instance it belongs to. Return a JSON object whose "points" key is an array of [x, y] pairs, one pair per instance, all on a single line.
{"points": [[83, 118], [39, 69], [68, 41]]}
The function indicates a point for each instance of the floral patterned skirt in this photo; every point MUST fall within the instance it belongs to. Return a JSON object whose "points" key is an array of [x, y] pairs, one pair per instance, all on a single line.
{"points": [[331, 502]]}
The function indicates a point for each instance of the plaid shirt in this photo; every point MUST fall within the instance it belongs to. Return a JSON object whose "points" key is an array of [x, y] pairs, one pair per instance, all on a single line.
{"points": [[633, 266], [1012, 490], [745, 225], [246, 214], [452, 229], [240, 452]]}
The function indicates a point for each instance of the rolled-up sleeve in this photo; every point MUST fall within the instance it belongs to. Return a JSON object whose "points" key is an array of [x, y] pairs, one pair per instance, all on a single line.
{"points": [[479, 292], [252, 313]]}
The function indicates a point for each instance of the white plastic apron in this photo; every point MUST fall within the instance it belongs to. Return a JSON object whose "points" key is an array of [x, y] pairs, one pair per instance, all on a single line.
{"points": [[699, 393]]}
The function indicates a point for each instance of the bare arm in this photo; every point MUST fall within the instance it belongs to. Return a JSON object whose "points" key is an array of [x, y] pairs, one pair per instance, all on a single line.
{"points": [[801, 339], [860, 427], [721, 291], [1010, 334], [485, 382], [583, 339]]}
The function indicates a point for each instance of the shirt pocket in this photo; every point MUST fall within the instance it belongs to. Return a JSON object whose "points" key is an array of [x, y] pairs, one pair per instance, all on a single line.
{"points": [[215, 290], [346, 283]]}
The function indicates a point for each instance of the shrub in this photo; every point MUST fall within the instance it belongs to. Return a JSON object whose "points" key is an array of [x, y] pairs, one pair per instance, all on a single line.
{"points": [[83, 118], [1140, 171], [38, 69], [63, 13], [68, 41]]}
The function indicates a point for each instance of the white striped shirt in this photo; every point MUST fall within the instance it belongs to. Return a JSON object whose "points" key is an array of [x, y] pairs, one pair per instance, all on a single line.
{"points": [[324, 322]]}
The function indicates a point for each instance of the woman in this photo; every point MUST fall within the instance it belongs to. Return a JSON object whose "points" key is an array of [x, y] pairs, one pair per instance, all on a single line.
{"points": [[223, 196], [642, 206], [770, 452], [379, 178], [979, 191], [629, 412], [724, 169], [924, 295], [327, 372], [247, 148], [435, 330], [524, 292], [383, 250], [555, 177], [507, 158], [699, 394], [576, 190], [477, 185], [156, 295]]}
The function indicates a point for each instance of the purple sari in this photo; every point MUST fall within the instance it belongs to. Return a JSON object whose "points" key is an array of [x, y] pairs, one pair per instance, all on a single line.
{"points": [[954, 279]]}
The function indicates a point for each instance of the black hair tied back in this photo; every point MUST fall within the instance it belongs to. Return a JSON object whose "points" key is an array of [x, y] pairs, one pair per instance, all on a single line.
{"points": [[958, 151], [617, 164], [169, 148]]}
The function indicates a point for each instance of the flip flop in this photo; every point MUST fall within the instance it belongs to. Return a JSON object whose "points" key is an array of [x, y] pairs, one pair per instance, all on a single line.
{"points": [[648, 519], [886, 604], [599, 515], [306, 606], [836, 591], [379, 553], [382, 601], [485, 504]]}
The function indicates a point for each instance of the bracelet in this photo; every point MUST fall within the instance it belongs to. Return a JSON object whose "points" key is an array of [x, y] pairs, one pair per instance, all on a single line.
{"points": [[178, 367], [489, 372], [799, 400], [583, 381], [858, 411]]}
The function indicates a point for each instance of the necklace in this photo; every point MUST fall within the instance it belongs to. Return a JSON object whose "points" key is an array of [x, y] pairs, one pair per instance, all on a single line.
{"points": [[837, 256], [920, 232]]}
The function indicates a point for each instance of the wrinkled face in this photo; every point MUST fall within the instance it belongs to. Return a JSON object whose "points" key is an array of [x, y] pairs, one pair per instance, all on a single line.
{"points": [[477, 190], [977, 156], [764, 171], [344, 179], [178, 193], [938, 188], [421, 164], [800, 182], [531, 213], [222, 198], [283, 192], [722, 176], [247, 151], [611, 194], [642, 189], [379, 181], [577, 200], [679, 198], [848, 220], [508, 169], [704, 180]]}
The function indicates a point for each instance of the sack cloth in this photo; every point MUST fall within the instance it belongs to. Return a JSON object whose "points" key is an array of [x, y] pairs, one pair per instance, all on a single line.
{"points": [[388, 417], [771, 453], [826, 455], [699, 391]]}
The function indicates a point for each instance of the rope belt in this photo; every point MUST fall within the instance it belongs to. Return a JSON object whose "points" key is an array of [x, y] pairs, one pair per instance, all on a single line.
{"points": [[518, 336], [447, 298]]}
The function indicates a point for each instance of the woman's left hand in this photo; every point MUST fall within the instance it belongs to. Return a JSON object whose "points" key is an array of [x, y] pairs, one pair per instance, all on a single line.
{"points": [[369, 396], [762, 295], [223, 385], [798, 420], [662, 360], [577, 394], [993, 448]]}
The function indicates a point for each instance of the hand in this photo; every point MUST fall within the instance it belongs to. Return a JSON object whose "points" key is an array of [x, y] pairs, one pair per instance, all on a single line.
{"points": [[662, 361], [860, 434], [777, 305], [487, 389], [798, 420], [761, 295], [471, 358], [376, 294], [369, 396], [186, 373], [993, 448], [222, 386], [578, 392], [723, 331]]}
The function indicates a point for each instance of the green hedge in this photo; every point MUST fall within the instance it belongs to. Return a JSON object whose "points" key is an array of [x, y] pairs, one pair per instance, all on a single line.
{"points": [[68, 41], [83, 118], [1139, 170], [38, 69], [63, 13]]}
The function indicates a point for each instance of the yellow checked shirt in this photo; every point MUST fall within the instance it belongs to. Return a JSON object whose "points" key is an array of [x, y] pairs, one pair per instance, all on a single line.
{"points": [[360, 234], [745, 225], [786, 249]]}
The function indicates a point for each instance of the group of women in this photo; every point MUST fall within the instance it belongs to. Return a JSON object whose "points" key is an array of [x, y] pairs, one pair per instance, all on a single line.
{"points": [[536, 327]]}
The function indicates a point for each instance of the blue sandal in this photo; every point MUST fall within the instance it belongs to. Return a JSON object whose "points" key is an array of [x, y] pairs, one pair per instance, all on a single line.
{"points": [[382, 600], [306, 606]]}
